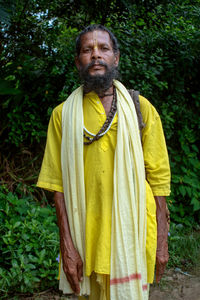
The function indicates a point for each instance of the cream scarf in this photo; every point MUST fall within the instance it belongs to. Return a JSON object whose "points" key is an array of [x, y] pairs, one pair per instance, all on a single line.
{"points": [[128, 274]]}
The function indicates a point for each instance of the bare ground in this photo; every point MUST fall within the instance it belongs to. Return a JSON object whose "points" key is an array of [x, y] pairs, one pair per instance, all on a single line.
{"points": [[175, 285]]}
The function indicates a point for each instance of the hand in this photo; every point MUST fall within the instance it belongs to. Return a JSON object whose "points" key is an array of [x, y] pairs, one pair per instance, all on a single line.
{"points": [[72, 266], [72, 263], [162, 255]]}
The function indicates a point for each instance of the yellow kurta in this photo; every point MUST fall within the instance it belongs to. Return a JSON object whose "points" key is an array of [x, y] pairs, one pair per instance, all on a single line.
{"points": [[98, 168]]}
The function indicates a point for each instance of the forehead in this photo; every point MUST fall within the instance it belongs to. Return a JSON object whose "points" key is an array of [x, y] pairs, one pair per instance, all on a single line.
{"points": [[96, 36]]}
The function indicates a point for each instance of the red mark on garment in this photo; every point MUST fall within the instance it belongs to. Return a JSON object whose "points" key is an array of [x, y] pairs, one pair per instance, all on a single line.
{"points": [[145, 287], [134, 276]]}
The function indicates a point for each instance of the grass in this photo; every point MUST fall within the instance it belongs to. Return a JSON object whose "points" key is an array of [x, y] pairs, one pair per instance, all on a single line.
{"points": [[184, 247]]}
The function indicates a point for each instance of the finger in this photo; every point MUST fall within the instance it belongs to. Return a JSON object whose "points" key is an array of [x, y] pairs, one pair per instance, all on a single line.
{"points": [[80, 271], [73, 281], [160, 269], [159, 273], [76, 286]]}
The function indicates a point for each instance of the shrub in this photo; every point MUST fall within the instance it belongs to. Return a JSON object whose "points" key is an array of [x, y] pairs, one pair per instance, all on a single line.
{"points": [[159, 43], [184, 247], [29, 245]]}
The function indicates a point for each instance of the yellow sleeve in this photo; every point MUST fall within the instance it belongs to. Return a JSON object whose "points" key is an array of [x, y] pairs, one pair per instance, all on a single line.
{"points": [[50, 177], [155, 150]]}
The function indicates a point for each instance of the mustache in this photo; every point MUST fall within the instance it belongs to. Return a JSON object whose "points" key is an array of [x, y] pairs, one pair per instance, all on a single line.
{"points": [[93, 63]]}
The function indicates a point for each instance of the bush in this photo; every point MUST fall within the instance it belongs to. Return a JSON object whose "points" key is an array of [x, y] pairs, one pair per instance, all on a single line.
{"points": [[185, 165], [29, 245], [184, 247], [159, 43], [160, 57]]}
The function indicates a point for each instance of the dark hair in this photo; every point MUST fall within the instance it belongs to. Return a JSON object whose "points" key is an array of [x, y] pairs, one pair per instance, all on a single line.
{"points": [[92, 28]]}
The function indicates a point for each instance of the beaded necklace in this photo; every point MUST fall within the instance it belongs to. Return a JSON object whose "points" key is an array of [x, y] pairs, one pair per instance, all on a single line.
{"points": [[106, 126]]}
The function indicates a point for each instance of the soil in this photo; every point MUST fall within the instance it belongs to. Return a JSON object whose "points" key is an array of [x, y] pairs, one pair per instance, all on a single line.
{"points": [[175, 285]]}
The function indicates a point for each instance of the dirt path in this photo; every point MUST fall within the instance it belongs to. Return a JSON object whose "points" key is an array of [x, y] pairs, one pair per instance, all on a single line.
{"points": [[177, 286]]}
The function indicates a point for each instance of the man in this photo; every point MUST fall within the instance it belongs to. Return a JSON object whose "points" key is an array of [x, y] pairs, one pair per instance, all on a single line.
{"points": [[108, 215]]}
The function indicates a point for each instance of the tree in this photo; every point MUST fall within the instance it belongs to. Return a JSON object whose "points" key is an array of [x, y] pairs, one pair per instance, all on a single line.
{"points": [[159, 42]]}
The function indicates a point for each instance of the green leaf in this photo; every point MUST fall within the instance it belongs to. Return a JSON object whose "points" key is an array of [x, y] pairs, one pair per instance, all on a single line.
{"points": [[7, 89], [17, 224], [41, 256], [30, 266], [182, 190], [189, 191], [196, 204]]}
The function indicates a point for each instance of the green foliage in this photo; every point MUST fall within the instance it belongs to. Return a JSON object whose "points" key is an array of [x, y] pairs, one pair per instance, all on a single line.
{"points": [[185, 179], [160, 56], [184, 247], [29, 245]]}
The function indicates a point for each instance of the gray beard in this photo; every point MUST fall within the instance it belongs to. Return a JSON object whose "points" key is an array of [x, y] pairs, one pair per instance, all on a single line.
{"points": [[98, 83]]}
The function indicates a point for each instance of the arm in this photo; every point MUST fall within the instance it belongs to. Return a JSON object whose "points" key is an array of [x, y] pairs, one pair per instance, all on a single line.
{"points": [[158, 176], [162, 217], [72, 263]]}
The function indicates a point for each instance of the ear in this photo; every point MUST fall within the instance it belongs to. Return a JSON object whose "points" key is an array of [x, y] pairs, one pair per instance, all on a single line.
{"points": [[117, 56], [77, 62]]}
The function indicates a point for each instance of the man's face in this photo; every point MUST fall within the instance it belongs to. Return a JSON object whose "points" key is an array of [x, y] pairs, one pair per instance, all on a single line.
{"points": [[96, 53]]}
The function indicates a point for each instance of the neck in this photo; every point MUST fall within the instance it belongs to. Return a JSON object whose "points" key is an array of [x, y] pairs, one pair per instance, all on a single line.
{"points": [[107, 99], [107, 93], [99, 91]]}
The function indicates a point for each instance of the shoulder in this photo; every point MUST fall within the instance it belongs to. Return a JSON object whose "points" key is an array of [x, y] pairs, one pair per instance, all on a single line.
{"points": [[56, 115], [55, 122], [149, 113], [57, 111]]}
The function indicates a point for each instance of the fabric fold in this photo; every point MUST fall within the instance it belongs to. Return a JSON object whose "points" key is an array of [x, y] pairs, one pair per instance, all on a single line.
{"points": [[128, 236], [73, 179], [128, 274]]}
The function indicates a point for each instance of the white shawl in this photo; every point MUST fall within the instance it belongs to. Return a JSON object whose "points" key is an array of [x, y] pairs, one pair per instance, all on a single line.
{"points": [[128, 274]]}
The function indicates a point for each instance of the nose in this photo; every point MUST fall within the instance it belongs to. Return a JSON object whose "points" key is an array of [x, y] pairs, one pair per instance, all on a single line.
{"points": [[96, 54]]}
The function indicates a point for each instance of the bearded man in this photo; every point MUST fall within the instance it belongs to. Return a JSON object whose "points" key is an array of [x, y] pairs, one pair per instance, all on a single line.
{"points": [[112, 221]]}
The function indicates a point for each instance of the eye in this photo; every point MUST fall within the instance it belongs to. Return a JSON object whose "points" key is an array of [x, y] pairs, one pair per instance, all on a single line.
{"points": [[104, 48], [86, 50]]}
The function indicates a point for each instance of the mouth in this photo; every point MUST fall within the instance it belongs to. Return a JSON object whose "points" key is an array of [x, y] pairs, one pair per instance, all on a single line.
{"points": [[97, 67]]}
